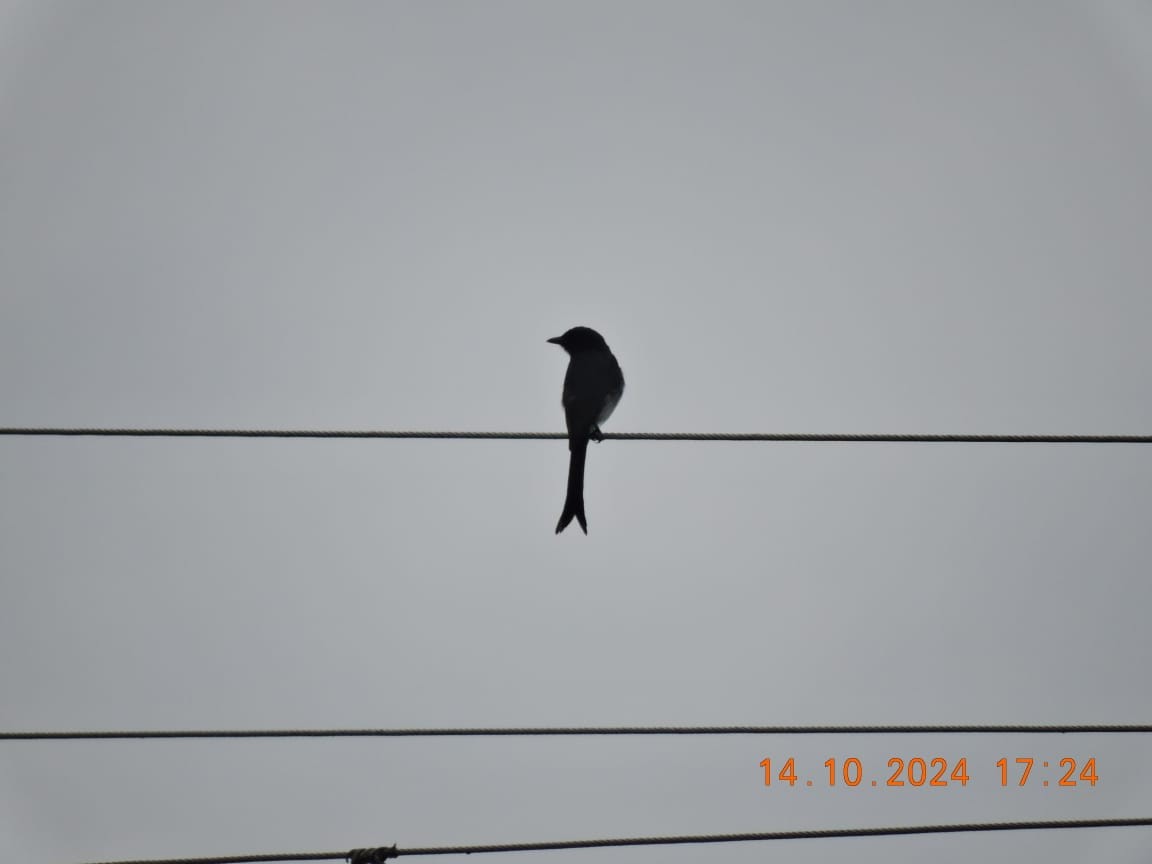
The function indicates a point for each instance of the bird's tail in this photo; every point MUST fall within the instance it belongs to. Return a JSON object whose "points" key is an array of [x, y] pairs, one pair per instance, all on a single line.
{"points": [[574, 501]]}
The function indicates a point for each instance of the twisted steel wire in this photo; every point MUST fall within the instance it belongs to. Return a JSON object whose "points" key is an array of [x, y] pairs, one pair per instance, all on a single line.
{"points": [[384, 853], [557, 731], [812, 437]]}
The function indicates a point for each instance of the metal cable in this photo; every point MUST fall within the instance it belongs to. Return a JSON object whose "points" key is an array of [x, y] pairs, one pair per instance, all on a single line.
{"points": [[816, 437], [383, 853], [547, 731]]}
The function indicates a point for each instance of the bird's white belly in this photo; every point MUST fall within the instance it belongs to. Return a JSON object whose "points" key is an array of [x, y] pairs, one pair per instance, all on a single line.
{"points": [[609, 406]]}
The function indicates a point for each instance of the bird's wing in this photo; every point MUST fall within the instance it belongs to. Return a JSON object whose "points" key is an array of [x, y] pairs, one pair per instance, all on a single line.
{"points": [[592, 388]]}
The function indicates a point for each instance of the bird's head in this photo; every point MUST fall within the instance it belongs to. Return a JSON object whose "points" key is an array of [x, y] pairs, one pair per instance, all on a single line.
{"points": [[580, 339]]}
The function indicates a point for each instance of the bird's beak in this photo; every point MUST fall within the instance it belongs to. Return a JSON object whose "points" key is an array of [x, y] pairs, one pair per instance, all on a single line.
{"points": [[555, 340]]}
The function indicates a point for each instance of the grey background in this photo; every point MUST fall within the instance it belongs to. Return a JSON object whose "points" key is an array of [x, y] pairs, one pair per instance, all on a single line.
{"points": [[831, 216]]}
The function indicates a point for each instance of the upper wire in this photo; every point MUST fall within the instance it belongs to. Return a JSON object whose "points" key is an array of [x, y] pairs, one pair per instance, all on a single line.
{"points": [[812, 437]]}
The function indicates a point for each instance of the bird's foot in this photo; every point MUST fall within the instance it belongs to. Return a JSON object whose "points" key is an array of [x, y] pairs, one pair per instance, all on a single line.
{"points": [[596, 435]]}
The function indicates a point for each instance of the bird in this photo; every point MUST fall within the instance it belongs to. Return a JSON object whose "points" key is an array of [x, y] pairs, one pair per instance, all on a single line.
{"points": [[593, 386]]}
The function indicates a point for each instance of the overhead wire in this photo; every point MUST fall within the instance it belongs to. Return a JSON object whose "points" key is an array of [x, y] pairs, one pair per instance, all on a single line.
{"points": [[810, 437], [383, 853], [560, 731]]}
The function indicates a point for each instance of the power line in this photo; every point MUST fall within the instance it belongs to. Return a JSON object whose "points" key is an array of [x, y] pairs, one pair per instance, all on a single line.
{"points": [[558, 731], [813, 437], [375, 856]]}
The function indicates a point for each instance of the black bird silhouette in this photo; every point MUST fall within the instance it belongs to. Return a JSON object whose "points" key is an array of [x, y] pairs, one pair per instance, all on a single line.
{"points": [[593, 386]]}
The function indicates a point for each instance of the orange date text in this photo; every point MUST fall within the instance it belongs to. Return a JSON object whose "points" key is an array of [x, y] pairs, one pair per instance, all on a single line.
{"points": [[930, 772]]}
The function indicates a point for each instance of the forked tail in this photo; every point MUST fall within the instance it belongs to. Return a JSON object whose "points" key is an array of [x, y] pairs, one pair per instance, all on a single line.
{"points": [[574, 500]]}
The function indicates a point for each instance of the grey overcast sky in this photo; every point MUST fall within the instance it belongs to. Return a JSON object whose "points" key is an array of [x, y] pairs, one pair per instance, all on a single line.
{"points": [[823, 216]]}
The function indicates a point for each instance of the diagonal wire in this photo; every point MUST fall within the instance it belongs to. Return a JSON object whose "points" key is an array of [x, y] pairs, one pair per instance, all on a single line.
{"points": [[814, 437], [557, 731], [383, 853]]}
